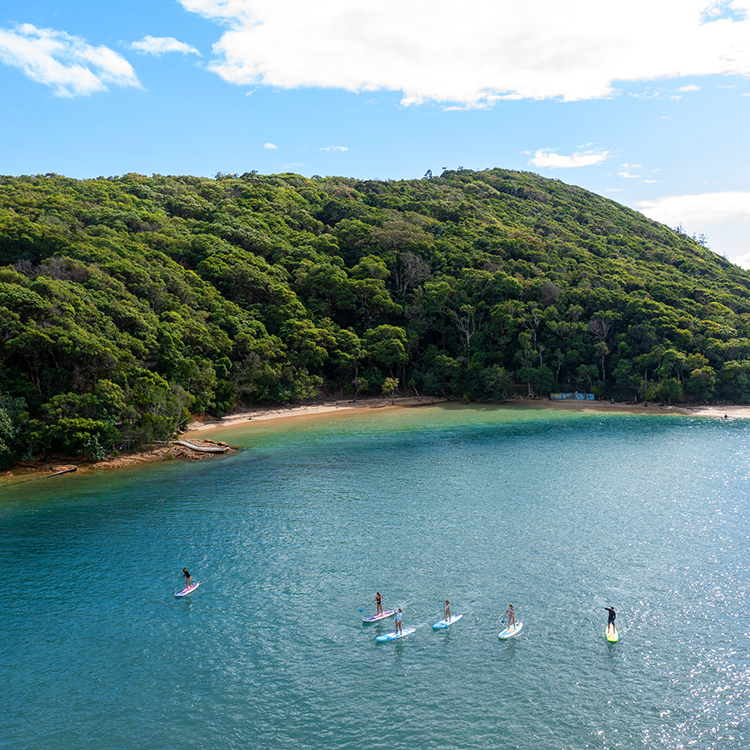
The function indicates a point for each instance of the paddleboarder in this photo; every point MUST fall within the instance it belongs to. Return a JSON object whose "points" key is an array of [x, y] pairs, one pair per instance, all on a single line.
{"points": [[447, 607], [398, 622], [612, 615], [379, 600], [511, 615], [187, 578]]}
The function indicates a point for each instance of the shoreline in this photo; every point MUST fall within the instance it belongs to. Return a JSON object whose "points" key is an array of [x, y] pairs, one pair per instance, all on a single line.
{"points": [[190, 449], [732, 411], [263, 413], [178, 449]]}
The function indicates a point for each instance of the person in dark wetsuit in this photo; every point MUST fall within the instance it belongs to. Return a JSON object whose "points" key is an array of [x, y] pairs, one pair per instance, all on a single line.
{"points": [[611, 620], [379, 600], [186, 576]]}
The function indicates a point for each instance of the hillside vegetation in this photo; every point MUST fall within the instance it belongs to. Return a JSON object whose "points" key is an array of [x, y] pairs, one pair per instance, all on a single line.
{"points": [[127, 303]]}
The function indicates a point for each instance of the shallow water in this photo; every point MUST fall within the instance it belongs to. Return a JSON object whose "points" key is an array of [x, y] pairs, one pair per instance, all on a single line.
{"points": [[560, 514]]}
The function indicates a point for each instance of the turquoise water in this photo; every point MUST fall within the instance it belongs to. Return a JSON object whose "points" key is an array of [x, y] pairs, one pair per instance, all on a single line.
{"points": [[557, 513]]}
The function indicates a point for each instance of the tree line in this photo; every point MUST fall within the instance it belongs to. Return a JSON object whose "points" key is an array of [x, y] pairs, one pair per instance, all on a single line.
{"points": [[129, 303]]}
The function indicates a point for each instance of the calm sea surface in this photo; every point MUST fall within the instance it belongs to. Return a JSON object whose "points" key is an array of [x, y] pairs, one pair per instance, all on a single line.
{"points": [[559, 514]]}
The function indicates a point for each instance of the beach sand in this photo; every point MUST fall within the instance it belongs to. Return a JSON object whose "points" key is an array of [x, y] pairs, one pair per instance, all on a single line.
{"points": [[283, 412], [327, 407]]}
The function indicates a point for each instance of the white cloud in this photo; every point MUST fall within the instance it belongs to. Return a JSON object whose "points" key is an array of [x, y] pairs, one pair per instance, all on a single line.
{"points": [[651, 182], [689, 88], [270, 145], [334, 148], [476, 52], [68, 64], [546, 157], [705, 207], [724, 217], [628, 176], [159, 45]]}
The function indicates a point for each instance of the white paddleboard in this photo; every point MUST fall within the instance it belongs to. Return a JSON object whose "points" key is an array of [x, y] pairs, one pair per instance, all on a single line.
{"points": [[187, 589], [447, 622], [394, 636], [510, 632], [381, 616]]}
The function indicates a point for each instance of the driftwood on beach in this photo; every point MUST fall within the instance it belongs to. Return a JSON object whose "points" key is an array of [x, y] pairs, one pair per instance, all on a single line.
{"points": [[203, 448]]}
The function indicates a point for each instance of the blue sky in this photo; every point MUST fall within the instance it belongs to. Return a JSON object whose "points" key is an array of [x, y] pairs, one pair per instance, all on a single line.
{"points": [[644, 102]]}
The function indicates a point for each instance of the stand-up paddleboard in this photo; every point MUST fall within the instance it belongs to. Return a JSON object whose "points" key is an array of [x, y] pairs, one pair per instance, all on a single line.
{"points": [[447, 622], [510, 632], [381, 616], [395, 636], [187, 589], [612, 635]]}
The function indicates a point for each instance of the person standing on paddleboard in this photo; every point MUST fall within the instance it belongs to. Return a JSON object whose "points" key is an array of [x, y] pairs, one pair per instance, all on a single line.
{"points": [[187, 578], [447, 607], [398, 621], [511, 615], [379, 600], [612, 615]]}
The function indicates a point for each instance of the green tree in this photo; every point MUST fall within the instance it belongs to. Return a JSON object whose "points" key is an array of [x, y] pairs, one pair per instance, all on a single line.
{"points": [[389, 386]]}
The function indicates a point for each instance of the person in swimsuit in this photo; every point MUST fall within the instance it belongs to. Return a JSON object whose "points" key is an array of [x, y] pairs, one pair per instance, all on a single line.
{"points": [[447, 607], [611, 620], [379, 600], [186, 576], [511, 615], [398, 621]]}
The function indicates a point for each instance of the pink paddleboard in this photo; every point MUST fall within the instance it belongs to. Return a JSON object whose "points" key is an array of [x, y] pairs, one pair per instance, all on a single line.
{"points": [[187, 589], [382, 616]]}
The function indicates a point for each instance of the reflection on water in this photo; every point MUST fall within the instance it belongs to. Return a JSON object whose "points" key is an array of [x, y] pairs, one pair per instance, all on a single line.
{"points": [[556, 513]]}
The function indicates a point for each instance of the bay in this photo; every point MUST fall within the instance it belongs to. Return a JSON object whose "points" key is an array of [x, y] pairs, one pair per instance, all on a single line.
{"points": [[558, 513]]}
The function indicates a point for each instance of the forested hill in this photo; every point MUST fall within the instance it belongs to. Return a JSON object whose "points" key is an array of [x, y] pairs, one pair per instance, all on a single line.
{"points": [[126, 303]]}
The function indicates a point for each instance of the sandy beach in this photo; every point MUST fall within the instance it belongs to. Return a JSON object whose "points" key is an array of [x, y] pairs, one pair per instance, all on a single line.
{"points": [[327, 407], [285, 412]]}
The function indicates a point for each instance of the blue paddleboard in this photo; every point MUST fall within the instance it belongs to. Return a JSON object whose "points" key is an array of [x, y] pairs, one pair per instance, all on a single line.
{"points": [[395, 636], [447, 622], [510, 632]]}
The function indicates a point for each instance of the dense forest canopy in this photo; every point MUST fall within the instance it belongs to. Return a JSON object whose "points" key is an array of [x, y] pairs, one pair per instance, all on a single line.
{"points": [[128, 303]]}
